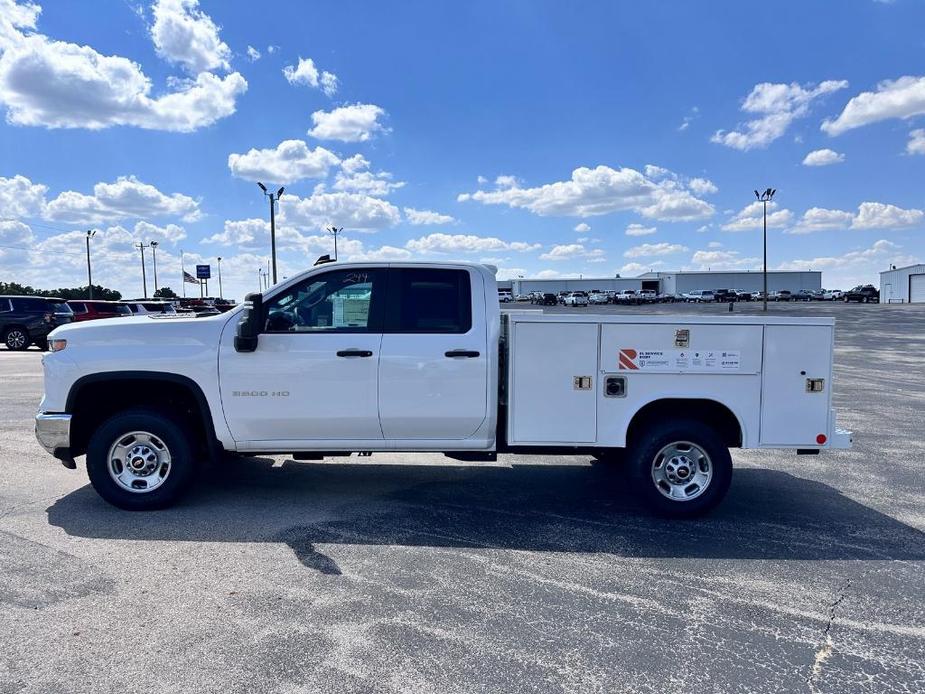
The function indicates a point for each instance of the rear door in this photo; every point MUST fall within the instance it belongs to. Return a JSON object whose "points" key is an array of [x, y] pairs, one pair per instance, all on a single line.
{"points": [[433, 368]]}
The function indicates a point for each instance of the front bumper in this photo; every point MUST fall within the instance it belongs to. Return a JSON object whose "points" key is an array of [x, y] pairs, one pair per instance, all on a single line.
{"points": [[53, 432]]}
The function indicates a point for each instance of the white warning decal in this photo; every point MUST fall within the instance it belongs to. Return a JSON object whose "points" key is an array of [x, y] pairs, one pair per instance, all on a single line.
{"points": [[678, 360]]}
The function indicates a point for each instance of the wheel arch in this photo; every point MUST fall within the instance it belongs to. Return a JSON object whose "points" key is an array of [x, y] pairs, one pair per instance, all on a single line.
{"points": [[95, 397], [707, 410]]}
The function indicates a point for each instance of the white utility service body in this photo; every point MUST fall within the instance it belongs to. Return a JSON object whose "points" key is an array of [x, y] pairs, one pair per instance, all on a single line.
{"points": [[363, 357]]}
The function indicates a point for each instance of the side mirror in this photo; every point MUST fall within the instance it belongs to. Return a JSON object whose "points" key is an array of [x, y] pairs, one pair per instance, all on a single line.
{"points": [[245, 339]]}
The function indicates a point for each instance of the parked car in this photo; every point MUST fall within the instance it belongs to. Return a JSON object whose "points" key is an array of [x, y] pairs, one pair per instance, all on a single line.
{"points": [[522, 297], [724, 295], [647, 296], [742, 295], [832, 294], [576, 299], [505, 297], [598, 298], [92, 309], [802, 295], [625, 296], [782, 295], [548, 299], [698, 296], [144, 306], [863, 294], [27, 320]]}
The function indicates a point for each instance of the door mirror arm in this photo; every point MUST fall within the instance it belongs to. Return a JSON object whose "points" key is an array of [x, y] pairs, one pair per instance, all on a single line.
{"points": [[249, 325]]}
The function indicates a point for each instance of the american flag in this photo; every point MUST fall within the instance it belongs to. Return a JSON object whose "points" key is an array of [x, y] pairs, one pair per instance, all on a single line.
{"points": [[189, 278]]}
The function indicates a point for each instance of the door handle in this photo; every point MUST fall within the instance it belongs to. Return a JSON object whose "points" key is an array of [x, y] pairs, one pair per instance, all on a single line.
{"points": [[354, 353], [465, 353]]}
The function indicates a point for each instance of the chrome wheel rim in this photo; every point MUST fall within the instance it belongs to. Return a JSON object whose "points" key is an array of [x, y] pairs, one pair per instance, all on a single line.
{"points": [[682, 471], [15, 339], [139, 462]]}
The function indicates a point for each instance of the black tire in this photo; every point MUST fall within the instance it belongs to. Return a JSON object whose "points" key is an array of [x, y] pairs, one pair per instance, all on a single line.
{"points": [[641, 458], [171, 433], [17, 339]]}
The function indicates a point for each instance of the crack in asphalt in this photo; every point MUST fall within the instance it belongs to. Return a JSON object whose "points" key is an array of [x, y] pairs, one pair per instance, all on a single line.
{"points": [[824, 652]]}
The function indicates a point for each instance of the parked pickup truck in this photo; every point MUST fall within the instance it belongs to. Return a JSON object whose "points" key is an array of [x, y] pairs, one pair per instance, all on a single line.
{"points": [[365, 357]]}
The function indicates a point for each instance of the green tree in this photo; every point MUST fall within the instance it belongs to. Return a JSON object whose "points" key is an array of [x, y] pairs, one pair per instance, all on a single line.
{"points": [[66, 293], [165, 293]]}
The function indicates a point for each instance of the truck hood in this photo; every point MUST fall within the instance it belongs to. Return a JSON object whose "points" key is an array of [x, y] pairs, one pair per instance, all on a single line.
{"points": [[144, 330]]}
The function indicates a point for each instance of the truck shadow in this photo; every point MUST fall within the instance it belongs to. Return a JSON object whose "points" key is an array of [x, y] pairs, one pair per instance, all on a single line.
{"points": [[541, 508]]}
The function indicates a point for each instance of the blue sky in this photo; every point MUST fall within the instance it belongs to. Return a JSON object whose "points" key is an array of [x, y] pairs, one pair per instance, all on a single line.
{"points": [[546, 138]]}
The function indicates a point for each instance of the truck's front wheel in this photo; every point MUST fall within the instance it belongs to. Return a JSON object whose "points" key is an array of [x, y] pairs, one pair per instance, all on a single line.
{"points": [[140, 460], [681, 468]]}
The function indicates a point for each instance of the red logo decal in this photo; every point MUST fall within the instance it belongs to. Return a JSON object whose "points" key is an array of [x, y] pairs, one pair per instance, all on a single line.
{"points": [[627, 359]]}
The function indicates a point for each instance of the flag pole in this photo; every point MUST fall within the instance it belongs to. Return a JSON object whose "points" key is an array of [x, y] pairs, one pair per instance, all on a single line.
{"points": [[182, 274]]}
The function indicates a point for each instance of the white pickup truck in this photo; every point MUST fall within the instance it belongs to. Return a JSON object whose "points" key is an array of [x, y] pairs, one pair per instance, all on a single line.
{"points": [[366, 357]]}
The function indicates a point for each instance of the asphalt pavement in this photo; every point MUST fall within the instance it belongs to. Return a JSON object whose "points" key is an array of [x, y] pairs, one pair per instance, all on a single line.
{"points": [[414, 573]]}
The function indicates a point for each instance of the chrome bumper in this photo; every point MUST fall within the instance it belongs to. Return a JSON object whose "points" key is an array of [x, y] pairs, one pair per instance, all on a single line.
{"points": [[53, 431]]}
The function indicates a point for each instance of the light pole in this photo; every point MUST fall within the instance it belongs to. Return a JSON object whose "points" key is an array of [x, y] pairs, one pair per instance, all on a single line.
{"points": [[220, 277], [153, 245], [90, 234], [274, 198], [764, 198], [144, 281], [334, 232]]}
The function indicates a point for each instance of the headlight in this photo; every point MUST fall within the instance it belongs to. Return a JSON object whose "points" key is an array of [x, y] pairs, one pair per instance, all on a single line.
{"points": [[57, 344]]}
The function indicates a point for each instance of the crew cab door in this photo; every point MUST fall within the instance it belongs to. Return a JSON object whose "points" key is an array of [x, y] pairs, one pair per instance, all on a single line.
{"points": [[313, 376], [433, 368]]}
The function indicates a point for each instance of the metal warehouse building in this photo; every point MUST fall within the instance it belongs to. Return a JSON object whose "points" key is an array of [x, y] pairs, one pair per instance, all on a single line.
{"points": [[904, 285], [674, 282]]}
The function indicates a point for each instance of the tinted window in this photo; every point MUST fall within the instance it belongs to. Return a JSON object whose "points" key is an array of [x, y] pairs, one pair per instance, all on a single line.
{"points": [[122, 309], [59, 307], [78, 307], [431, 301], [28, 304], [5, 305], [336, 301]]}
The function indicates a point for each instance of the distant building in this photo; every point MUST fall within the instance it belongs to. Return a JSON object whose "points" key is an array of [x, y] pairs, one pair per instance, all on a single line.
{"points": [[904, 285], [674, 282]]}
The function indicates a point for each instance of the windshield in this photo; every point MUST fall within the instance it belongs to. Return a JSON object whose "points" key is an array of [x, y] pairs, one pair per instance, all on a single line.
{"points": [[122, 309]]}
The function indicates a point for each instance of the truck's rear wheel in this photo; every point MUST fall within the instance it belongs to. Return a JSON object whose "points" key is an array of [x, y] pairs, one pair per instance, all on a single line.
{"points": [[681, 468], [140, 460]]}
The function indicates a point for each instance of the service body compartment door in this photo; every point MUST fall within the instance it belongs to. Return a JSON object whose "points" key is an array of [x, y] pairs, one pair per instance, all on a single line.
{"points": [[553, 383], [790, 414]]}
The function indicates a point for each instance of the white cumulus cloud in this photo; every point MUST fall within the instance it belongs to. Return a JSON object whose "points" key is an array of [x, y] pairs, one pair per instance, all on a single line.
{"points": [[573, 251], [647, 250], [355, 123], [465, 243], [306, 73], [702, 186], [57, 84], [20, 197], [427, 217], [775, 106], [916, 143], [823, 157], [185, 35], [289, 161], [900, 98], [639, 230], [353, 211], [599, 191], [752, 217], [125, 198]]}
